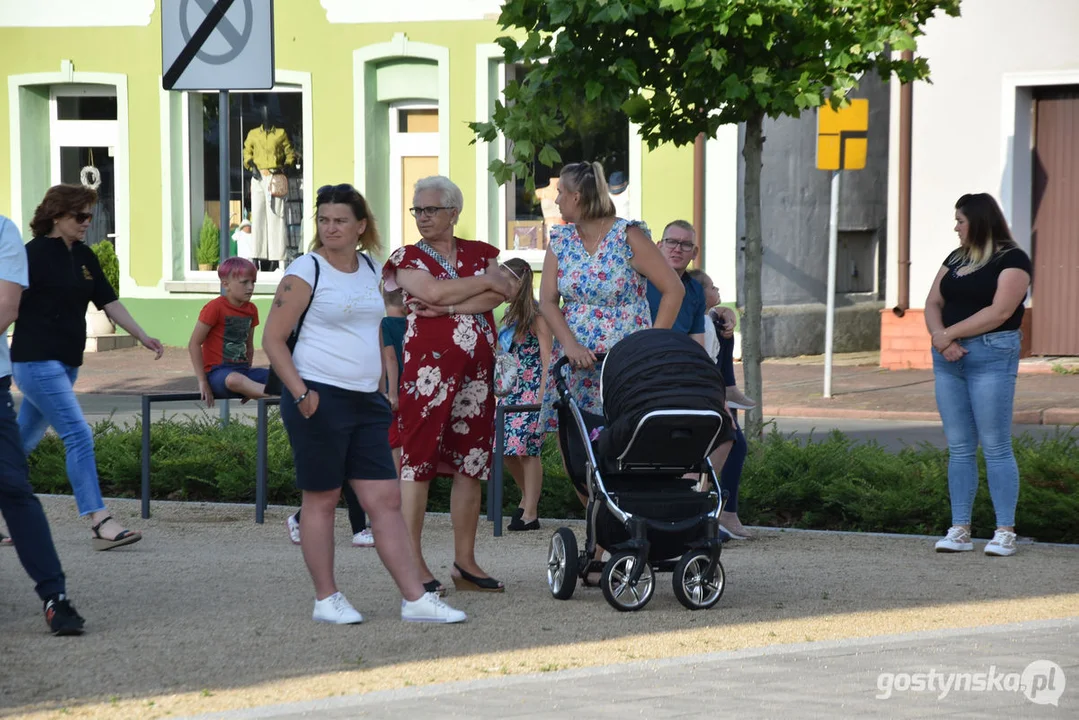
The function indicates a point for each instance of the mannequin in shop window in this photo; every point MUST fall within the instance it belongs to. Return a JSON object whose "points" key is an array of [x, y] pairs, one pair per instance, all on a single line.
{"points": [[268, 154]]}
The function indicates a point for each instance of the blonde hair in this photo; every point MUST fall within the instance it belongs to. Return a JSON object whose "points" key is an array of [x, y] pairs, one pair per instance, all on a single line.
{"points": [[522, 309], [369, 241], [987, 231], [587, 178]]}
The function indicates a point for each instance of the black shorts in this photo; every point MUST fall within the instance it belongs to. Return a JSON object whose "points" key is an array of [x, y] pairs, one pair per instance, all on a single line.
{"points": [[346, 439]]}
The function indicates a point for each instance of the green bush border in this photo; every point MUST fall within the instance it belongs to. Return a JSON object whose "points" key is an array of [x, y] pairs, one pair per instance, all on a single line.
{"points": [[826, 483]]}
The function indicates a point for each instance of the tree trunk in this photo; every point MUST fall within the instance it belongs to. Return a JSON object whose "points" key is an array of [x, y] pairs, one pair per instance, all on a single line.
{"points": [[751, 322]]}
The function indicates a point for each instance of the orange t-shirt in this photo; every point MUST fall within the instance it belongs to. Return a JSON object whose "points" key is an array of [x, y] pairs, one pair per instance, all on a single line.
{"points": [[230, 327]]}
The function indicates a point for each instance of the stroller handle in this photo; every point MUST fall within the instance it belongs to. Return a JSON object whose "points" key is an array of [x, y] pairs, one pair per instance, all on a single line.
{"points": [[560, 378]]}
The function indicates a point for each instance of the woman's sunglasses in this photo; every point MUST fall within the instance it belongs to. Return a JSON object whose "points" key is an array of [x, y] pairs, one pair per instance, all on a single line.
{"points": [[334, 190], [81, 217]]}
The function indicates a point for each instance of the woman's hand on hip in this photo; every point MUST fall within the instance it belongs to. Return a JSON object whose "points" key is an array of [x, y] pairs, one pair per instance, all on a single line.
{"points": [[954, 351], [580, 357], [309, 405]]}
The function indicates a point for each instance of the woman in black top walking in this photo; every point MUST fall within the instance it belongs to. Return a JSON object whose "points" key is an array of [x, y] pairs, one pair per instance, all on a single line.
{"points": [[973, 312], [47, 347]]}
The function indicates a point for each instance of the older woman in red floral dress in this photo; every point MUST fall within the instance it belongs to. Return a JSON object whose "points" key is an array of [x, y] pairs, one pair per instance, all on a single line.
{"points": [[446, 400]]}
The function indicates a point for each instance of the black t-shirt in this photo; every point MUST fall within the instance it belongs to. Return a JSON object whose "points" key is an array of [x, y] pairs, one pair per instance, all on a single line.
{"points": [[965, 295], [52, 312]]}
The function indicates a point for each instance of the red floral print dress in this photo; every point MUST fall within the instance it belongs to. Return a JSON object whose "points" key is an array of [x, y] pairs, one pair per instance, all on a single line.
{"points": [[447, 403]]}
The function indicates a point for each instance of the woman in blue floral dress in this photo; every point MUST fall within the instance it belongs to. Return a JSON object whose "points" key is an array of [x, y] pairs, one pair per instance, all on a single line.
{"points": [[597, 265]]}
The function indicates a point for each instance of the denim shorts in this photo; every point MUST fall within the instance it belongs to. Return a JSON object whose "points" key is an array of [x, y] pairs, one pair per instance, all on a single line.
{"points": [[218, 373], [346, 439]]}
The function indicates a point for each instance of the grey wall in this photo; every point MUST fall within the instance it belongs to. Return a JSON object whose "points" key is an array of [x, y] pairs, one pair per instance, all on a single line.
{"points": [[794, 213]]}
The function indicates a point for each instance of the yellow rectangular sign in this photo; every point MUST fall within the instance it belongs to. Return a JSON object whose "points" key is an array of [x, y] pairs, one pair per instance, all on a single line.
{"points": [[842, 136]]}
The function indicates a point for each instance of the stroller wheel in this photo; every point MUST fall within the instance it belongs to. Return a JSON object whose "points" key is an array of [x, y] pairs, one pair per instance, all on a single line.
{"points": [[617, 589], [691, 587], [562, 564]]}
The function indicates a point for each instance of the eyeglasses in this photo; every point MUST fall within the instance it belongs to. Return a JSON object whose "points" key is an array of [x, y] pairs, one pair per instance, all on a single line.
{"points": [[428, 211], [684, 245], [325, 190], [82, 217]]}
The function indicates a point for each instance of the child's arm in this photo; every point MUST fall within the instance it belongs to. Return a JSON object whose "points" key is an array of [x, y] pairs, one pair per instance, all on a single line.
{"points": [[390, 373], [546, 341], [194, 349], [251, 346]]}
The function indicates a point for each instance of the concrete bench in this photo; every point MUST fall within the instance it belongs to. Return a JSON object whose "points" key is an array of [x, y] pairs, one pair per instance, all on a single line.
{"points": [[261, 453]]}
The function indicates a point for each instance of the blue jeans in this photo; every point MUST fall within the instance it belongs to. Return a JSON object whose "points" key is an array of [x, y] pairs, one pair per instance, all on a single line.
{"points": [[48, 389], [975, 395], [20, 507]]}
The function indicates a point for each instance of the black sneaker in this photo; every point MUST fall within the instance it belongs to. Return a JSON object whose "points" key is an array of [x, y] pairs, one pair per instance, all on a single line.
{"points": [[61, 616]]}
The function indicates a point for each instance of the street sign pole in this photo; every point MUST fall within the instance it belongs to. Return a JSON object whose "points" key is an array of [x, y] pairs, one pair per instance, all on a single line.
{"points": [[223, 179], [833, 251]]}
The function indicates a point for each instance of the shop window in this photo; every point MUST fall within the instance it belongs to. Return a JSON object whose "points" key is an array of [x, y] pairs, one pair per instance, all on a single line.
{"points": [[265, 174], [588, 134]]}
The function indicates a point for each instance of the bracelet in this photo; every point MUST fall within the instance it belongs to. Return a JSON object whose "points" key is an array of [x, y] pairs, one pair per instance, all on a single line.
{"points": [[303, 397]]}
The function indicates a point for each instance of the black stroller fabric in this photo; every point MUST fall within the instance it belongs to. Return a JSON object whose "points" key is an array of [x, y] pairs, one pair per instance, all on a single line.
{"points": [[657, 369]]}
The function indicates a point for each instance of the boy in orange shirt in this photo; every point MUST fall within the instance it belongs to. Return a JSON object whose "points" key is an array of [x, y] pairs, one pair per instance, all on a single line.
{"points": [[222, 344]]}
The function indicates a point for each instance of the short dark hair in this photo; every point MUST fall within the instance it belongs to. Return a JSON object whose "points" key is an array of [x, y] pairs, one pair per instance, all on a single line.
{"points": [[60, 200]]}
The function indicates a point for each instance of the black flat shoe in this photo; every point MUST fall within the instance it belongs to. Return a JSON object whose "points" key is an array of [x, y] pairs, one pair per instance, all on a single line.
{"points": [[518, 525], [467, 582]]}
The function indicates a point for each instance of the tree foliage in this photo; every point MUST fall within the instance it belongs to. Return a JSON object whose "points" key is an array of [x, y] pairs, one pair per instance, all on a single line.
{"points": [[679, 68]]}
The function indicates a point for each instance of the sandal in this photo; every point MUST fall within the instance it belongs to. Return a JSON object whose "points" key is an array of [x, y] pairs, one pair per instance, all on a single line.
{"points": [[124, 537], [434, 586], [5, 540], [467, 582]]}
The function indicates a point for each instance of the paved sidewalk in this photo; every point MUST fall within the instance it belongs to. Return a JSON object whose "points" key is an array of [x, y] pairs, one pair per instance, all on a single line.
{"points": [[792, 386], [864, 678]]}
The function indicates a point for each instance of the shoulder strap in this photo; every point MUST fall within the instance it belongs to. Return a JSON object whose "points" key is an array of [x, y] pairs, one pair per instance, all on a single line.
{"points": [[299, 323], [369, 263]]}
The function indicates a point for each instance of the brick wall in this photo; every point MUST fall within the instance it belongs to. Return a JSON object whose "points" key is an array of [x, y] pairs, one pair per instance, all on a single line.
{"points": [[905, 343]]}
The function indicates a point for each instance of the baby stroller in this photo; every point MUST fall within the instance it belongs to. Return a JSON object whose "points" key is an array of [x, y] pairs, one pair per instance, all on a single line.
{"points": [[663, 414]]}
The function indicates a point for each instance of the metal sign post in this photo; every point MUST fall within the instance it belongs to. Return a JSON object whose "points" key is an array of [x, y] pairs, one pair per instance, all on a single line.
{"points": [[842, 144], [231, 48]]}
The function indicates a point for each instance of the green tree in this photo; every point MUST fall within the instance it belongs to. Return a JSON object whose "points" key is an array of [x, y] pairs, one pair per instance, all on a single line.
{"points": [[680, 68]]}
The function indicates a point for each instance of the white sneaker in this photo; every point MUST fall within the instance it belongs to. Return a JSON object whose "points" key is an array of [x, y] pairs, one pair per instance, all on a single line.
{"points": [[1002, 544], [957, 540], [364, 538], [293, 529], [337, 610], [430, 608]]}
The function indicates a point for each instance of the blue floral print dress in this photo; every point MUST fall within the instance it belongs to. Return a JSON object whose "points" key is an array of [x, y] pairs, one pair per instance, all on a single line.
{"points": [[523, 433], [603, 301]]}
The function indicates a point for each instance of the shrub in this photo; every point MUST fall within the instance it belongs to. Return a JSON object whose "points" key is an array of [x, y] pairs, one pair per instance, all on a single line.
{"points": [[208, 251], [110, 264], [827, 484]]}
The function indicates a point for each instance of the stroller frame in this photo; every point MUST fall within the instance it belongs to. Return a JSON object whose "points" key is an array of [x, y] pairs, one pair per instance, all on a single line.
{"points": [[627, 578]]}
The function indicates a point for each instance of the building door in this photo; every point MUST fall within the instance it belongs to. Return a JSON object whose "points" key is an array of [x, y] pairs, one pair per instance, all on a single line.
{"points": [[414, 146], [83, 137], [1055, 213]]}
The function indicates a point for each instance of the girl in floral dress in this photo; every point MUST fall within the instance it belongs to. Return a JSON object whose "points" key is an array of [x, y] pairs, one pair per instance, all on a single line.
{"points": [[530, 344], [597, 266], [446, 400]]}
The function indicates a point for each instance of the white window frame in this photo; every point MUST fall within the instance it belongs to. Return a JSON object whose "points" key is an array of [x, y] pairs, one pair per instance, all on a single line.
{"points": [[403, 145], [206, 281]]}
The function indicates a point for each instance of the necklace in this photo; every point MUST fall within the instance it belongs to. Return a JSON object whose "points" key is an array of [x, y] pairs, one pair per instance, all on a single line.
{"points": [[600, 234]]}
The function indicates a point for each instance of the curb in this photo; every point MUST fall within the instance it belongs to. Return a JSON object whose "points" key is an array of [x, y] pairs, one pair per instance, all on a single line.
{"points": [[1046, 416]]}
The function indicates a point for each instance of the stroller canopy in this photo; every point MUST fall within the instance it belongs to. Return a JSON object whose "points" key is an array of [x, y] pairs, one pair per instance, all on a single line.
{"points": [[656, 370]]}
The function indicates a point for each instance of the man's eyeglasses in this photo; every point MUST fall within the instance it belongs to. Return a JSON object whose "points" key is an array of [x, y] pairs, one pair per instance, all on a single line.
{"points": [[427, 211], [326, 190], [81, 217], [683, 245]]}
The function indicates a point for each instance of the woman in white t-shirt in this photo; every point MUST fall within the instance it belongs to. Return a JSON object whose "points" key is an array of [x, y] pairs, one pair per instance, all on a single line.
{"points": [[337, 421]]}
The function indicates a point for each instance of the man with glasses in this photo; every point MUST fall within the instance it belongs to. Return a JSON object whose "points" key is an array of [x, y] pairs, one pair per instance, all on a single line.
{"points": [[679, 246], [20, 507]]}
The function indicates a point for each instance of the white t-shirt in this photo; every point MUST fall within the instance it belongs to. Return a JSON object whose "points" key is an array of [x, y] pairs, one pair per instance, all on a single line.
{"points": [[338, 342], [13, 269]]}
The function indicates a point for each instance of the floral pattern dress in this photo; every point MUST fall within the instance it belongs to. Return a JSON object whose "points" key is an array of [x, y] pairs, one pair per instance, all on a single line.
{"points": [[603, 301], [446, 404], [523, 434]]}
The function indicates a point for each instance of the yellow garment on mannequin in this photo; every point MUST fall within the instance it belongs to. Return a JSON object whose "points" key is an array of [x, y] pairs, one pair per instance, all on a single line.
{"points": [[269, 149]]}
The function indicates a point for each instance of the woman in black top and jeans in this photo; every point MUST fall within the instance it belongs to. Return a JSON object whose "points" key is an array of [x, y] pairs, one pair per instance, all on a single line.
{"points": [[50, 333], [973, 312]]}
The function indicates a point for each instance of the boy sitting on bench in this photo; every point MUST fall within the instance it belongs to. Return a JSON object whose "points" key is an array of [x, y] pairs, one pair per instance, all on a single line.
{"points": [[222, 344]]}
